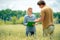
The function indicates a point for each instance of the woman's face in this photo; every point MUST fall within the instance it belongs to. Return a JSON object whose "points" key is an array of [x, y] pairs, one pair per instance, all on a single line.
{"points": [[30, 11]]}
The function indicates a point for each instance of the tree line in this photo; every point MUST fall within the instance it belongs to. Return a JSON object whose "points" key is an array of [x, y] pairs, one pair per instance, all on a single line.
{"points": [[15, 15]]}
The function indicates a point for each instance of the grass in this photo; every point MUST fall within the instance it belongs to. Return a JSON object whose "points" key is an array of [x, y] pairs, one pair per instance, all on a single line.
{"points": [[17, 32]]}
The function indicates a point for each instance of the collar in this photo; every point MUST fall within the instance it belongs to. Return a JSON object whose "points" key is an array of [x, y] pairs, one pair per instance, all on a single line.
{"points": [[30, 16]]}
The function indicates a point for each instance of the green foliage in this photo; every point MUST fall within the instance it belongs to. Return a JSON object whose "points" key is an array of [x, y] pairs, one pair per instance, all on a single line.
{"points": [[1, 22], [14, 16], [14, 19], [20, 20], [37, 14], [11, 16], [58, 16]]}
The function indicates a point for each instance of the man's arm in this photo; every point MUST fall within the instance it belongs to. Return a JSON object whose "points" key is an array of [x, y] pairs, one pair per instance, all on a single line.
{"points": [[42, 17]]}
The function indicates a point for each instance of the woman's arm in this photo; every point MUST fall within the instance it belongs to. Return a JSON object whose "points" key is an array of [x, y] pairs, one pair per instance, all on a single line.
{"points": [[25, 21]]}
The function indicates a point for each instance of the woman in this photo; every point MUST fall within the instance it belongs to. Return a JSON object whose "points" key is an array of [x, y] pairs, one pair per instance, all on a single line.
{"points": [[29, 18]]}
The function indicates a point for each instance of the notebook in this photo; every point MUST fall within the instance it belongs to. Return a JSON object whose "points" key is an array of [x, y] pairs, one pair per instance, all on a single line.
{"points": [[30, 24]]}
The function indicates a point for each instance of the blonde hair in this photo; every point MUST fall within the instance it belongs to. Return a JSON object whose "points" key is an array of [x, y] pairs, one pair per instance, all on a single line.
{"points": [[29, 8]]}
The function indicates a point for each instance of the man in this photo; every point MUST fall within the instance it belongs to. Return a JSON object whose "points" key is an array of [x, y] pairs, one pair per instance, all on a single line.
{"points": [[46, 19], [29, 18]]}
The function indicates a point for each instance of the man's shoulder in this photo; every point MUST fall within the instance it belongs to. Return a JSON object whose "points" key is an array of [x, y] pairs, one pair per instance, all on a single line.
{"points": [[46, 8]]}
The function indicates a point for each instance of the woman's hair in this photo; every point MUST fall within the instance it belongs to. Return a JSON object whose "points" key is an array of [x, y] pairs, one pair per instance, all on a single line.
{"points": [[29, 8]]}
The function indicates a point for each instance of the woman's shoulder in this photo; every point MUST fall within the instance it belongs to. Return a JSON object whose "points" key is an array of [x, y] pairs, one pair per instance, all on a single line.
{"points": [[25, 15]]}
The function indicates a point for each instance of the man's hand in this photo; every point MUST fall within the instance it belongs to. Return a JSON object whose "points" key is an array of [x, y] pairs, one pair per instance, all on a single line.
{"points": [[37, 20]]}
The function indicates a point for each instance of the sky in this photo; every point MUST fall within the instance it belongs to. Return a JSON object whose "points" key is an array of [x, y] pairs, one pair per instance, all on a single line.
{"points": [[25, 4]]}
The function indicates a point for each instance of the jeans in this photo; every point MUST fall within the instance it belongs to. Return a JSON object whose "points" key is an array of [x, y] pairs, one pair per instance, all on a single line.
{"points": [[30, 33]]}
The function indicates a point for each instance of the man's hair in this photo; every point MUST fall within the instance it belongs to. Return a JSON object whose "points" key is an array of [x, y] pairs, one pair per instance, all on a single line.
{"points": [[41, 2]]}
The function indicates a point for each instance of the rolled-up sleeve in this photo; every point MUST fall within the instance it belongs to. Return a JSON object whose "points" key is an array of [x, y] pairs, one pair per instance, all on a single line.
{"points": [[25, 20]]}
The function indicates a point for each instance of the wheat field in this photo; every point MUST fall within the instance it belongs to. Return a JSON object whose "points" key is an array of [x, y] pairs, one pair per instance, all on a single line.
{"points": [[17, 32]]}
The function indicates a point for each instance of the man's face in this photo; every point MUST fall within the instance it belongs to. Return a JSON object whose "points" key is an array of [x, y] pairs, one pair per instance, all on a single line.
{"points": [[41, 6]]}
